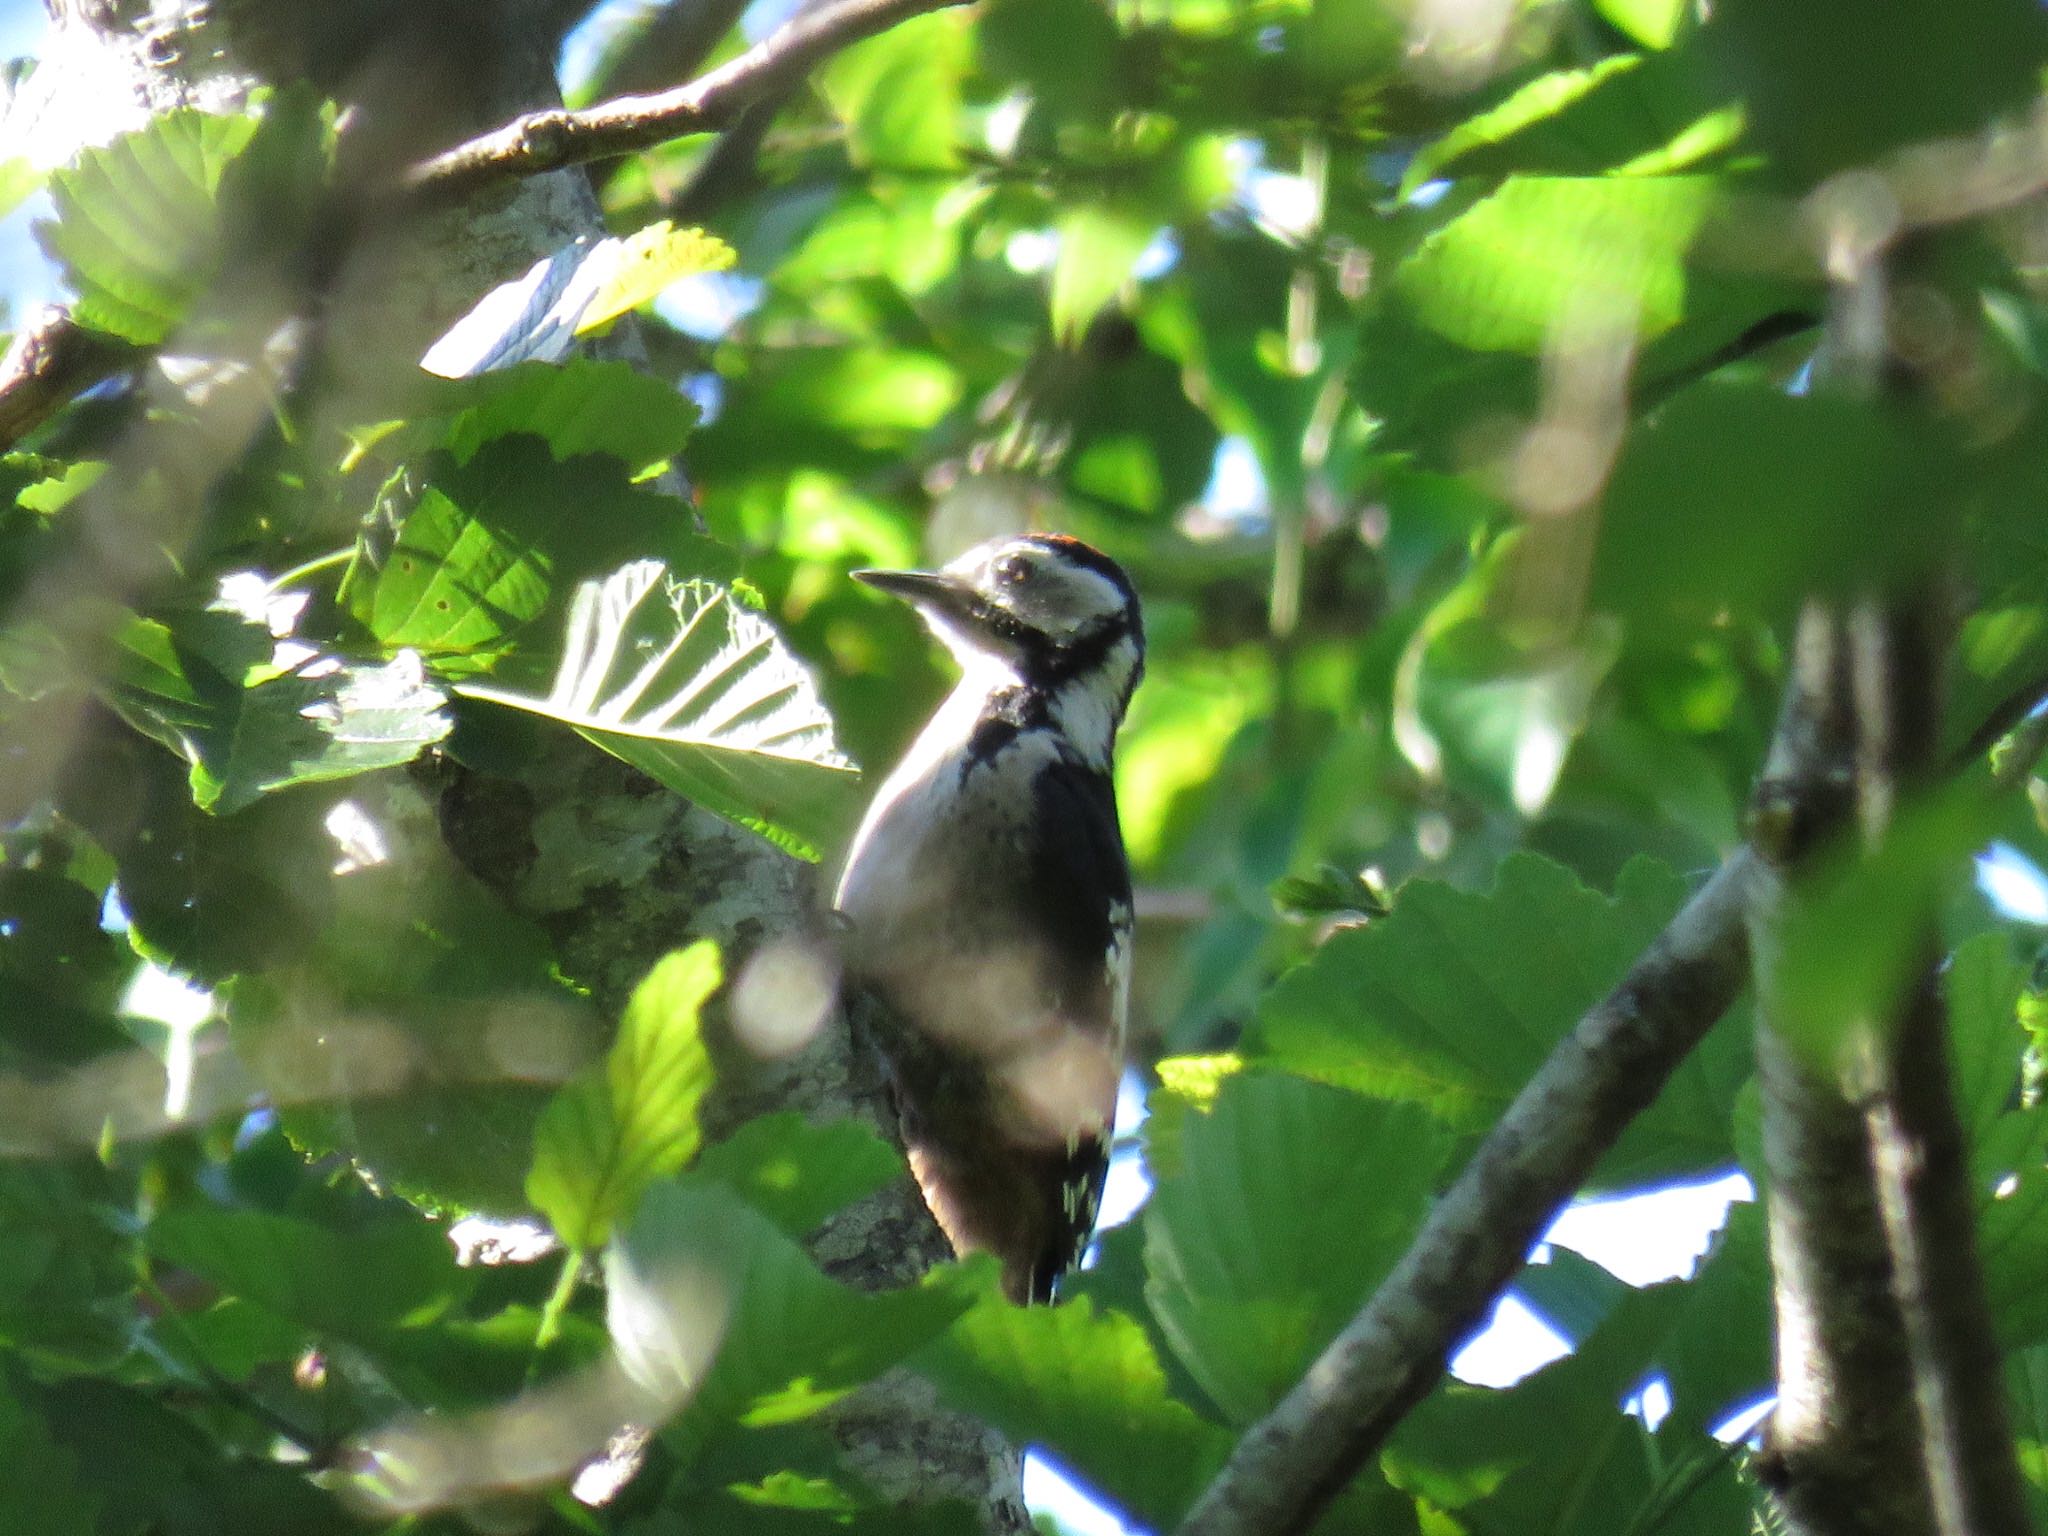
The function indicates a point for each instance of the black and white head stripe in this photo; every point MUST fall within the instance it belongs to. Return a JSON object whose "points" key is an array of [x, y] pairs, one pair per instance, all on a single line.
{"points": [[1056, 607]]}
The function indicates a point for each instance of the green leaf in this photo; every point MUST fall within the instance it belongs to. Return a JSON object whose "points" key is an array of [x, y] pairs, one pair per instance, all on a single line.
{"points": [[136, 228], [43, 1487], [1718, 1354], [1087, 1387], [796, 1173], [66, 1270], [1558, 256], [1851, 929], [1570, 1292], [1264, 1240], [351, 1284], [700, 694], [146, 224], [1487, 711], [1623, 114], [1549, 1451], [206, 896], [329, 718], [1653, 23], [632, 1119], [61, 978], [234, 1337], [711, 1305], [156, 1470], [483, 548], [18, 178], [414, 1024], [465, 1364], [1985, 987], [1825, 91], [1838, 493], [899, 94], [582, 406], [1099, 246], [1453, 999]]}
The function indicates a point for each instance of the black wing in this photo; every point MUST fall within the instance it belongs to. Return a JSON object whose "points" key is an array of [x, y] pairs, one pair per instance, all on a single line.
{"points": [[1077, 886], [1080, 882]]}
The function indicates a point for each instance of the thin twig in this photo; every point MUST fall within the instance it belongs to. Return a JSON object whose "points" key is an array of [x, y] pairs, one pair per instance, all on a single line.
{"points": [[318, 1452], [1289, 1465], [549, 140]]}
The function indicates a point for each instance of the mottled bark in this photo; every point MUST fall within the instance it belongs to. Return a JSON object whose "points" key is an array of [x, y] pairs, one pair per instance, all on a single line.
{"points": [[1891, 1414]]}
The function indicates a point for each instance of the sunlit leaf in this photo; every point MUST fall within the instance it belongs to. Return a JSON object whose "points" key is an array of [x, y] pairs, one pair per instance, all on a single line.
{"points": [[631, 1119], [135, 224], [1576, 259], [1653, 23], [699, 693], [899, 93], [18, 178], [146, 224], [538, 316], [1087, 1387], [637, 268], [482, 548], [1099, 246], [325, 718]]}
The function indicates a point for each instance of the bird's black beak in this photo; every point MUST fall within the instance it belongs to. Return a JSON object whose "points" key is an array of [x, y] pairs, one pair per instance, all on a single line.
{"points": [[931, 591]]}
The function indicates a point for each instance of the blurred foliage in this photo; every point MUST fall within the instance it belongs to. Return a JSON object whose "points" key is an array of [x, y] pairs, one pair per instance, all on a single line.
{"points": [[1446, 378]]}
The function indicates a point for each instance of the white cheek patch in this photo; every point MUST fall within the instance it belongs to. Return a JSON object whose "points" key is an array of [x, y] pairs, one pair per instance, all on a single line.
{"points": [[1082, 600]]}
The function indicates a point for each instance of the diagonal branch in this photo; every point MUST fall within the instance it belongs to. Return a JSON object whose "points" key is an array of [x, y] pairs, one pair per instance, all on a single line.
{"points": [[549, 140], [53, 360], [1289, 1466]]}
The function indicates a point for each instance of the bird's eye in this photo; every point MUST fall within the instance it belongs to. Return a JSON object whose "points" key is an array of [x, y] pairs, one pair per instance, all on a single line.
{"points": [[1012, 569]]}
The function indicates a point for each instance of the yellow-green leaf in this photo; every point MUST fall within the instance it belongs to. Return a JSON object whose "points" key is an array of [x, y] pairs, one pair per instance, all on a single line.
{"points": [[637, 268], [632, 1118]]}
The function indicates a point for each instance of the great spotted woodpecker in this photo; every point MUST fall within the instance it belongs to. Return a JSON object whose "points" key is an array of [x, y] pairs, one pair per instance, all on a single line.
{"points": [[988, 900]]}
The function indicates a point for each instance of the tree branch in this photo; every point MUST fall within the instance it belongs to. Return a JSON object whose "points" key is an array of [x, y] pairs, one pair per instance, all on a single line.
{"points": [[1889, 1417], [1289, 1466], [1917, 1148], [548, 140], [52, 361], [1842, 1450]]}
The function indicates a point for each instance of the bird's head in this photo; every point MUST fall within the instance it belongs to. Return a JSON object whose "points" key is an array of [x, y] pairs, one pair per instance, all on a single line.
{"points": [[1048, 608]]}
